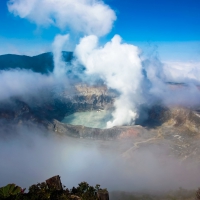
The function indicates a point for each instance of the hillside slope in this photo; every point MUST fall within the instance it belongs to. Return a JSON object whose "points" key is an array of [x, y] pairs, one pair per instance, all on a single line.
{"points": [[42, 63]]}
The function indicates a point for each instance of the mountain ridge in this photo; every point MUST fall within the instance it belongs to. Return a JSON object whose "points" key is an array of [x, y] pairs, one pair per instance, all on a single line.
{"points": [[42, 63]]}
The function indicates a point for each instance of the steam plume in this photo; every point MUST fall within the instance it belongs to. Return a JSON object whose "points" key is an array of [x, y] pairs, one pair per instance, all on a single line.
{"points": [[59, 64], [120, 66]]}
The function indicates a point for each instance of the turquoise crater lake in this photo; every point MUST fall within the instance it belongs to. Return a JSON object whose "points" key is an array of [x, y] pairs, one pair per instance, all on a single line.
{"points": [[94, 119]]}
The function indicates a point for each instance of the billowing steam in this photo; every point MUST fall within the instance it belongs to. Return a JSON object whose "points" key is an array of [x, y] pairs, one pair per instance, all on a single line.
{"points": [[59, 64], [120, 66]]}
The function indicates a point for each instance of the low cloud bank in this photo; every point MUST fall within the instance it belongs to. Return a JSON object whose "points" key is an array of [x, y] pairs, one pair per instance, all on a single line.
{"points": [[23, 84], [32, 155]]}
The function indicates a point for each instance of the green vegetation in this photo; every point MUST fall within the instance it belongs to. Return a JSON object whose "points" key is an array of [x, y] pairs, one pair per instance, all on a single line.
{"points": [[9, 190], [84, 191], [41, 191]]}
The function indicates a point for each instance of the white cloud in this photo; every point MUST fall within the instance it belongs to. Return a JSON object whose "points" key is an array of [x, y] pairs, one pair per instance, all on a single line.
{"points": [[23, 83], [85, 16], [183, 89], [182, 71]]}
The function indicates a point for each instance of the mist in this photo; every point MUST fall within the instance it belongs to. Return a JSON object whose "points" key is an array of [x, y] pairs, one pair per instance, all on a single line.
{"points": [[33, 155], [23, 83]]}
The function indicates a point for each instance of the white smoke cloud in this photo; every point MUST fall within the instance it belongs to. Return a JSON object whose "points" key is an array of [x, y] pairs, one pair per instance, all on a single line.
{"points": [[120, 66], [172, 83], [23, 83], [59, 64], [84, 16], [182, 72], [155, 75]]}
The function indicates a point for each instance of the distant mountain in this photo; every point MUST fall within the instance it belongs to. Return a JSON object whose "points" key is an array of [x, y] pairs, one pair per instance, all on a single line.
{"points": [[42, 63]]}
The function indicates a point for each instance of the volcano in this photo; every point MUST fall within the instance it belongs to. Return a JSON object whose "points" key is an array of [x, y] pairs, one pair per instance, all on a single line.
{"points": [[176, 126]]}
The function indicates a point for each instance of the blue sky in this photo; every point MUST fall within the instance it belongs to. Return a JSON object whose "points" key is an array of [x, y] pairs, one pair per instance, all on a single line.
{"points": [[158, 20], [169, 27]]}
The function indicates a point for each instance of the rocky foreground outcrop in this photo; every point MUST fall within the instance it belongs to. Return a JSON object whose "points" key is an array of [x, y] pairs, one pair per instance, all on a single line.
{"points": [[52, 189]]}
